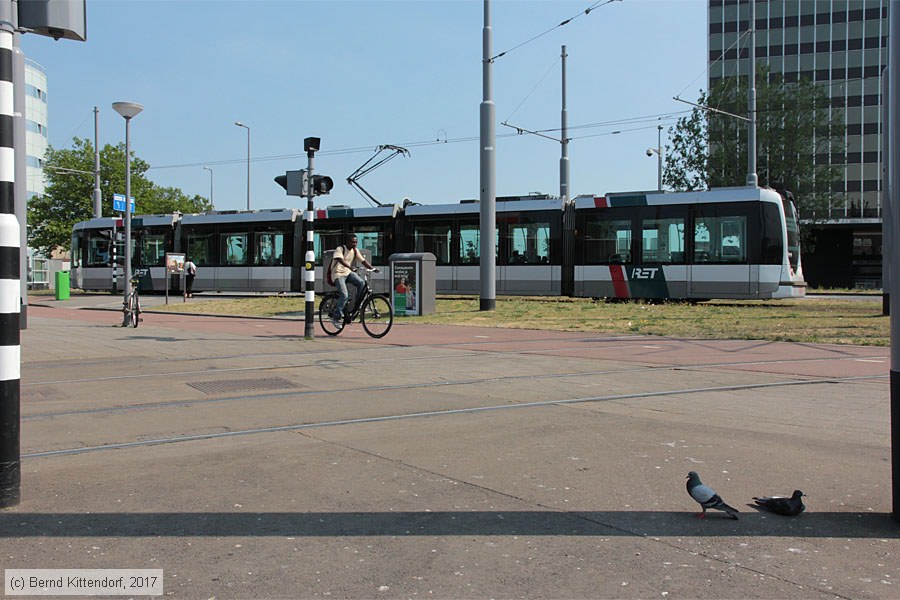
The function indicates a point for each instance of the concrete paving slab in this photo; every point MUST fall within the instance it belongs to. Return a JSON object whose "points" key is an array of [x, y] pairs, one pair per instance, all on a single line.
{"points": [[447, 462]]}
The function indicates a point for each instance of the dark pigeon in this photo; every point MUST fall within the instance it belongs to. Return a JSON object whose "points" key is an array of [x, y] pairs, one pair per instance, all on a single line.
{"points": [[707, 497], [781, 505]]}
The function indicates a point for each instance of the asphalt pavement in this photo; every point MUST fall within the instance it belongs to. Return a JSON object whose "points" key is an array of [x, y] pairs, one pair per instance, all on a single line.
{"points": [[446, 462]]}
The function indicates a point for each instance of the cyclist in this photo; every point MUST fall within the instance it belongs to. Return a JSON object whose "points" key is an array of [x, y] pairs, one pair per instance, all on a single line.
{"points": [[344, 259]]}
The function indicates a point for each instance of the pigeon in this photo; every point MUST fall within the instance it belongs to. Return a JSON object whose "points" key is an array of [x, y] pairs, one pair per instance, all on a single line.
{"points": [[782, 505], [707, 497]]}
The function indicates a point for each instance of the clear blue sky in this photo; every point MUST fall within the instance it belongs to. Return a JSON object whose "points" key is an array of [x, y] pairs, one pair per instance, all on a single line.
{"points": [[362, 73]]}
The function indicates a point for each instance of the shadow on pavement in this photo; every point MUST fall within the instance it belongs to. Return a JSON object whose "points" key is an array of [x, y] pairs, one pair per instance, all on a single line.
{"points": [[490, 523]]}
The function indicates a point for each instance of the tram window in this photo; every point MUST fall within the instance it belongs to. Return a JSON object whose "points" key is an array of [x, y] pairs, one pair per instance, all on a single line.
{"points": [[469, 244], [98, 250], [720, 239], [771, 243], [371, 238], [663, 240], [607, 241], [528, 243], [200, 249], [325, 239], [153, 250], [268, 248], [434, 239], [234, 249], [76, 250]]}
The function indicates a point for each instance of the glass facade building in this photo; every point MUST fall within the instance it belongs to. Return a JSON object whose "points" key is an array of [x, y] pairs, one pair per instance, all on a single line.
{"points": [[839, 44], [35, 127]]}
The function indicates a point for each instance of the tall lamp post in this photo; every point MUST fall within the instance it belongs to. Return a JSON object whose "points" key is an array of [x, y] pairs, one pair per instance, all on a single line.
{"points": [[127, 110], [659, 156], [211, 202], [247, 127]]}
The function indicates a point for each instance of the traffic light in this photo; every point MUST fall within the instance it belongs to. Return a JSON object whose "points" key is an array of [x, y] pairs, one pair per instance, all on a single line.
{"points": [[321, 184], [295, 183]]}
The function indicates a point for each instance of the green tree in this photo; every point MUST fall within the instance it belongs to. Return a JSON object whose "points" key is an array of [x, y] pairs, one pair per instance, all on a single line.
{"points": [[69, 193], [798, 133]]}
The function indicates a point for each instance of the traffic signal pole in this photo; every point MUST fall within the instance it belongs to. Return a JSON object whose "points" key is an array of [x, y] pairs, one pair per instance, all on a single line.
{"points": [[310, 274], [10, 351]]}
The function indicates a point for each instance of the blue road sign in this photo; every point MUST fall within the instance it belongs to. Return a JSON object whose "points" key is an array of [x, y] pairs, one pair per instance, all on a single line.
{"points": [[119, 203]]}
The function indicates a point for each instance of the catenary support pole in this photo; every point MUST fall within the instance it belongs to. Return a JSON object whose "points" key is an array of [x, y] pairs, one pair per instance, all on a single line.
{"points": [[886, 195], [10, 353], [488, 195], [98, 201], [752, 179], [310, 274], [893, 132], [564, 140]]}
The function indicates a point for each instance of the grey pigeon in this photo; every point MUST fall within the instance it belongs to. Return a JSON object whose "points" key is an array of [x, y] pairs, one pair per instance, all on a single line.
{"points": [[781, 505], [707, 497]]}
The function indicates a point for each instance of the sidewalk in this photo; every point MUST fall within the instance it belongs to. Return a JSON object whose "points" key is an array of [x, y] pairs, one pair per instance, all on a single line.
{"points": [[446, 462]]}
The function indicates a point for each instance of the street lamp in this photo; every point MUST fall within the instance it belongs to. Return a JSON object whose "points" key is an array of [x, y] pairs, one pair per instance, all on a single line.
{"points": [[211, 203], [247, 127], [127, 110], [659, 156]]}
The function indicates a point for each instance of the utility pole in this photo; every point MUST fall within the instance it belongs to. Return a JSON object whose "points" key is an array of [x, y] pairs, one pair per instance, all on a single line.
{"points": [[488, 196]]}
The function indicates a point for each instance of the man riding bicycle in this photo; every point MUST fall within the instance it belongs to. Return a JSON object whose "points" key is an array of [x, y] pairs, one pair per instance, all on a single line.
{"points": [[342, 263]]}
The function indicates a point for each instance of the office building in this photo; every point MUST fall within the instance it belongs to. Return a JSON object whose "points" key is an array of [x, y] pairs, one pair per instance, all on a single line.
{"points": [[841, 45]]}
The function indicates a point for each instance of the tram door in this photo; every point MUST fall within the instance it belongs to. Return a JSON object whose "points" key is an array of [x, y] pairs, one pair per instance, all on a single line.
{"points": [[720, 267]]}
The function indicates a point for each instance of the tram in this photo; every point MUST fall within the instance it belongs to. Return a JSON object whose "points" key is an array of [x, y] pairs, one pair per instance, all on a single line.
{"points": [[740, 243]]}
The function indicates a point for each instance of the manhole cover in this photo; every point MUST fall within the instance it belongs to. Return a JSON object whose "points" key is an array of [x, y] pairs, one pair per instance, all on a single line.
{"points": [[222, 386]]}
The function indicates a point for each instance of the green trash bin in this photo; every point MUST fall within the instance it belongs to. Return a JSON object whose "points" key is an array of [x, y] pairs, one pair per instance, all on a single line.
{"points": [[62, 285]]}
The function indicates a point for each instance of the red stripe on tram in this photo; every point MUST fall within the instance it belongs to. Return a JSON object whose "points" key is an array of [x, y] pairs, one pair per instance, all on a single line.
{"points": [[620, 284], [600, 202]]}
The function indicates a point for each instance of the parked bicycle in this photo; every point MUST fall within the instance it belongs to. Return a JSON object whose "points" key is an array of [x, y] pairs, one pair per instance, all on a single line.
{"points": [[132, 304], [373, 311]]}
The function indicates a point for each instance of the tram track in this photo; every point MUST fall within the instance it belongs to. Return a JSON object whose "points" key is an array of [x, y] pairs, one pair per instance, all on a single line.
{"points": [[187, 402], [441, 413], [369, 361]]}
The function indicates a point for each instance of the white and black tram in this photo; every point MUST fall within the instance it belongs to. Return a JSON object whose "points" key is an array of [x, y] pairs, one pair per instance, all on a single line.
{"points": [[724, 243]]}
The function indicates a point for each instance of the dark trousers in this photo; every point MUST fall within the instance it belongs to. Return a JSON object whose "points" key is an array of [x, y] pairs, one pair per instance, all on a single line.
{"points": [[189, 284]]}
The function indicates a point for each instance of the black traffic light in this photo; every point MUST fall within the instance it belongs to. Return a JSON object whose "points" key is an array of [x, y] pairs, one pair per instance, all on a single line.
{"points": [[321, 184], [294, 183]]}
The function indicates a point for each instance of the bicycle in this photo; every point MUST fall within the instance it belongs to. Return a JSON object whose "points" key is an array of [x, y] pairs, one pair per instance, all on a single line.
{"points": [[131, 307], [373, 311]]}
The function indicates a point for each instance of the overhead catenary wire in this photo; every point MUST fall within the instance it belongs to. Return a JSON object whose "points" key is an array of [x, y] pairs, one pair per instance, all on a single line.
{"points": [[418, 144], [597, 4]]}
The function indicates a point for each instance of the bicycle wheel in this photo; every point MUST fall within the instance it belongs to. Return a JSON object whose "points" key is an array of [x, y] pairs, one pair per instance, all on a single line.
{"points": [[377, 316], [134, 309], [326, 307]]}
